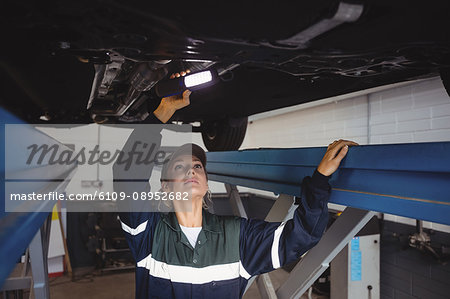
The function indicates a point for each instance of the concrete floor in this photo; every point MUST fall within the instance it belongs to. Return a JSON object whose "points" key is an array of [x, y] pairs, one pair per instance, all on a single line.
{"points": [[121, 285], [104, 286]]}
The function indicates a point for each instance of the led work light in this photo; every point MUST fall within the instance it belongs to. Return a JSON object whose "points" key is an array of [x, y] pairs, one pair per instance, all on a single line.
{"points": [[195, 81]]}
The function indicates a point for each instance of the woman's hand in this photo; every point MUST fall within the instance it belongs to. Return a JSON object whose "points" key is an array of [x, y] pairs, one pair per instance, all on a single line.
{"points": [[169, 105], [335, 153], [180, 74]]}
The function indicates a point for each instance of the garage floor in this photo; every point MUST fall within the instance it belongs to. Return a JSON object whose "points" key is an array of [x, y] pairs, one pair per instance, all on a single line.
{"points": [[121, 285]]}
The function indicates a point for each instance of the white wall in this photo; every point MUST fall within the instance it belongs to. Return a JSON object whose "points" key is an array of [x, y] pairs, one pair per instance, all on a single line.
{"points": [[419, 112], [414, 113]]}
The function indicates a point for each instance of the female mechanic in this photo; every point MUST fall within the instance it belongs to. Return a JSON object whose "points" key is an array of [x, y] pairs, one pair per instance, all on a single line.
{"points": [[195, 254]]}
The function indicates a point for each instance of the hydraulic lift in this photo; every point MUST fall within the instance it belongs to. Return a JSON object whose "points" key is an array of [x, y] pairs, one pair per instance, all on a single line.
{"points": [[410, 180]]}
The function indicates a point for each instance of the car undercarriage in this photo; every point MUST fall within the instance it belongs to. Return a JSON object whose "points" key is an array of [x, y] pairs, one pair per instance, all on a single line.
{"points": [[99, 61]]}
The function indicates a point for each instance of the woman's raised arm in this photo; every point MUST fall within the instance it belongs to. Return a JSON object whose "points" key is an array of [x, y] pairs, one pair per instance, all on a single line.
{"points": [[265, 246]]}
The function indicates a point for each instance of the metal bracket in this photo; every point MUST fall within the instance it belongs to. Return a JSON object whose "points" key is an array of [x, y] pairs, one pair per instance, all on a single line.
{"points": [[235, 200], [345, 13], [38, 260], [104, 76], [265, 286], [315, 262], [281, 210]]}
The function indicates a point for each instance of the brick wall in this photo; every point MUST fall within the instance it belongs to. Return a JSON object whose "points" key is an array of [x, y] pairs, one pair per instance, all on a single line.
{"points": [[415, 113], [419, 112]]}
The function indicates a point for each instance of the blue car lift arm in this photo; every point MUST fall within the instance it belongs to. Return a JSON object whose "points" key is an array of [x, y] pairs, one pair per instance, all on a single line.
{"points": [[405, 179], [410, 180]]}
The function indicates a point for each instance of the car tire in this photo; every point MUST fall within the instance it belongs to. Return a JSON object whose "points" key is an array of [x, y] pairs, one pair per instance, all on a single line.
{"points": [[445, 77], [225, 134]]}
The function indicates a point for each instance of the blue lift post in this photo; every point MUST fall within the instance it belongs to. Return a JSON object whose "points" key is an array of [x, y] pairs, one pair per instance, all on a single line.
{"points": [[19, 230], [410, 180]]}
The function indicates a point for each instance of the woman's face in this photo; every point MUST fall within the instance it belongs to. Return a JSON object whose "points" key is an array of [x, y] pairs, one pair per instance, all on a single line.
{"points": [[187, 174]]}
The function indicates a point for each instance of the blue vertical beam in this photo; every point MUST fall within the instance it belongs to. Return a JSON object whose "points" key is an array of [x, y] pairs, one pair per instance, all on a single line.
{"points": [[410, 180], [17, 229]]}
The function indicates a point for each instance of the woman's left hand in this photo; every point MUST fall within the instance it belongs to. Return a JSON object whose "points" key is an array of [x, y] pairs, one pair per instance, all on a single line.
{"points": [[335, 153]]}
